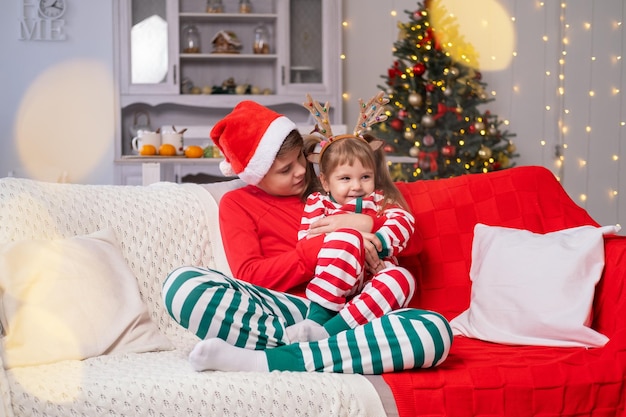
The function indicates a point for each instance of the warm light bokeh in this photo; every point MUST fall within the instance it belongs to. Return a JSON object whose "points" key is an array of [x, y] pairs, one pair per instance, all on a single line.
{"points": [[484, 24], [59, 128]]}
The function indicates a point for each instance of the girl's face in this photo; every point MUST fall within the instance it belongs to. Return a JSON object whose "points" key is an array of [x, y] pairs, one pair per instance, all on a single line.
{"points": [[347, 182], [286, 176]]}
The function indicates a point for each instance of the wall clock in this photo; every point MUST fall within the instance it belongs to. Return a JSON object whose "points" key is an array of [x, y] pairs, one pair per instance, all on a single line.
{"points": [[51, 9]]}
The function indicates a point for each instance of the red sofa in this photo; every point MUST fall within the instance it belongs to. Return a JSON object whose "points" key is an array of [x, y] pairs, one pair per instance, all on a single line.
{"points": [[487, 379]]}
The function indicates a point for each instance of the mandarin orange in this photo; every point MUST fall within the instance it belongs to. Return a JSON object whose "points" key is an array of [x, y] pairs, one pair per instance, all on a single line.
{"points": [[167, 149]]}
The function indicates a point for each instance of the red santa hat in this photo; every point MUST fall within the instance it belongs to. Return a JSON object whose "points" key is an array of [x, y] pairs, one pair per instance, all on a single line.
{"points": [[249, 137]]}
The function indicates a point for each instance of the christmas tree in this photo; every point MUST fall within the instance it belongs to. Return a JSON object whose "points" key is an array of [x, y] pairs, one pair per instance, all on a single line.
{"points": [[433, 114]]}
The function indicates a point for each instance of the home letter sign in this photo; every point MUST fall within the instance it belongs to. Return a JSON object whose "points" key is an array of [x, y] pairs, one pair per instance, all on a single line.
{"points": [[41, 20]]}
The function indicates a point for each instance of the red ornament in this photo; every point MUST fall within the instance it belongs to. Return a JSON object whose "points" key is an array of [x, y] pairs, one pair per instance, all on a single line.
{"points": [[430, 87], [388, 148], [394, 72], [419, 68], [471, 129], [427, 161], [402, 114], [448, 151], [397, 124]]}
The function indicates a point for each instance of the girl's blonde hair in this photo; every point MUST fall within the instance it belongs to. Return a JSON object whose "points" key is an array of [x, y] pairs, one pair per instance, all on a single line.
{"points": [[347, 151]]}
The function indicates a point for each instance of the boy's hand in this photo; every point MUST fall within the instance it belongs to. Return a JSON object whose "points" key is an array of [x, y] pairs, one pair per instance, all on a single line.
{"points": [[360, 222], [372, 245]]}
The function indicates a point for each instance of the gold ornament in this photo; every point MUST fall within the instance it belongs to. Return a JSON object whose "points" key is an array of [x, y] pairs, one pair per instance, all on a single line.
{"points": [[415, 99], [511, 148], [428, 121], [484, 152], [409, 135]]}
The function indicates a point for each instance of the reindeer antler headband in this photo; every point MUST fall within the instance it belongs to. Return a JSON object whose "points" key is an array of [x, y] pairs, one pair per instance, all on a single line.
{"points": [[370, 114]]}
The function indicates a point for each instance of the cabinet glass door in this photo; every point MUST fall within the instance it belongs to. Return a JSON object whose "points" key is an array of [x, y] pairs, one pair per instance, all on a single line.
{"points": [[311, 59], [147, 46], [305, 50]]}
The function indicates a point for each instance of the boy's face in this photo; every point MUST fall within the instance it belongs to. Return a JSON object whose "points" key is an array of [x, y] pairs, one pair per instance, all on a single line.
{"points": [[347, 182], [286, 175]]}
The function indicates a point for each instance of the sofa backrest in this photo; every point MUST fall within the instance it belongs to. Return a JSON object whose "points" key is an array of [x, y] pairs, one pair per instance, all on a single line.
{"points": [[158, 228], [446, 211]]}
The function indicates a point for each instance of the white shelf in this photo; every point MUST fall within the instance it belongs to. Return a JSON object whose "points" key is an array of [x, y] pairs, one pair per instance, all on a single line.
{"points": [[228, 57], [223, 101], [227, 17], [168, 160]]}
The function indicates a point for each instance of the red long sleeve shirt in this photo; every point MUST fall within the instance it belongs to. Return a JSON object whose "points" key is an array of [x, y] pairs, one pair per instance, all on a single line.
{"points": [[260, 235]]}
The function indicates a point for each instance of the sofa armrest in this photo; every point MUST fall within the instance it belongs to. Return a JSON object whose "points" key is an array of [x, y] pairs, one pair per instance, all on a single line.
{"points": [[610, 300]]}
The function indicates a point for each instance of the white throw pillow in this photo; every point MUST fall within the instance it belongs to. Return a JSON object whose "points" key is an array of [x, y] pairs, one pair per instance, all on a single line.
{"points": [[534, 289], [71, 298]]}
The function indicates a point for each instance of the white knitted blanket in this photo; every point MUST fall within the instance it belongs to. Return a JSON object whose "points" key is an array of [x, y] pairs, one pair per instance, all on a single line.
{"points": [[159, 227]]}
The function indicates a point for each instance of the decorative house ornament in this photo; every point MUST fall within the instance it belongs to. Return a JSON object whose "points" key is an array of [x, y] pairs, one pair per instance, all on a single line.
{"points": [[226, 42], [42, 20]]}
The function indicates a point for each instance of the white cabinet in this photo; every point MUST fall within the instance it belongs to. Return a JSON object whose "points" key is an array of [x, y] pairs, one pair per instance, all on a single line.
{"points": [[156, 69]]}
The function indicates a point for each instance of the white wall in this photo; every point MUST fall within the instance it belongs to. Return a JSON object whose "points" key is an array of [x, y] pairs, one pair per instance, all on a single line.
{"points": [[57, 100], [527, 92]]}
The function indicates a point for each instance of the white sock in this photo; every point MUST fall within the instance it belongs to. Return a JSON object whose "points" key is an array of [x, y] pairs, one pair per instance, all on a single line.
{"points": [[306, 330], [218, 355]]}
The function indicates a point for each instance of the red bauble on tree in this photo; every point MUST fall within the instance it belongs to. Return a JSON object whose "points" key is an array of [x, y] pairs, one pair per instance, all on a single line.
{"points": [[448, 150], [419, 69], [397, 124]]}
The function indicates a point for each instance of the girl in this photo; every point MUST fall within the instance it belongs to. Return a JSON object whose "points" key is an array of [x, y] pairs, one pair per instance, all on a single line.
{"points": [[351, 183], [241, 322]]}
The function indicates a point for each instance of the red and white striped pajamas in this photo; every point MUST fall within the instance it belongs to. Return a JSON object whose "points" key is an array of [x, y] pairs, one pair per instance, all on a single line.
{"points": [[341, 282]]}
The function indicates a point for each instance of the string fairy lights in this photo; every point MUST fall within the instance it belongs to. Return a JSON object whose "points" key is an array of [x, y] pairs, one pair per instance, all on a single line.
{"points": [[617, 60], [569, 109], [561, 146]]}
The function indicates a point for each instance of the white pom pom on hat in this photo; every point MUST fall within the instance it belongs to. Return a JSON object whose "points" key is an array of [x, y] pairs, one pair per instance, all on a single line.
{"points": [[250, 137]]}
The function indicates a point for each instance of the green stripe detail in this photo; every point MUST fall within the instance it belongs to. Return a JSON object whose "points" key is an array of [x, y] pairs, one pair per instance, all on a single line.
{"points": [[285, 358], [178, 282], [355, 354], [358, 209], [318, 361], [394, 345], [384, 252], [370, 337], [319, 314], [336, 325]]}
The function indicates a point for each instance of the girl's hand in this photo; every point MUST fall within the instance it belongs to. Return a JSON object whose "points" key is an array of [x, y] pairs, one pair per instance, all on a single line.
{"points": [[372, 245], [360, 222]]}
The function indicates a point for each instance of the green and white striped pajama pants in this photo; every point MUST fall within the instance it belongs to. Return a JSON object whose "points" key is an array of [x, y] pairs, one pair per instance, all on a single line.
{"points": [[211, 304]]}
